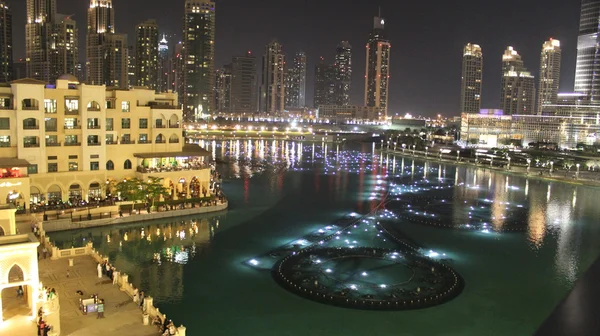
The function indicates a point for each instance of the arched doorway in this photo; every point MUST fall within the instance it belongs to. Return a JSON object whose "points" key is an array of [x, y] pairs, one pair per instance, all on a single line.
{"points": [[2, 231], [14, 298], [15, 198], [195, 188], [54, 194], [171, 191], [182, 188], [35, 196], [75, 193], [95, 192]]}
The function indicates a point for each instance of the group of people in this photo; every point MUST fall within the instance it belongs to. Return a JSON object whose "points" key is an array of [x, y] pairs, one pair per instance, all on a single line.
{"points": [[138, 298], [107, 269], [43, 326]]}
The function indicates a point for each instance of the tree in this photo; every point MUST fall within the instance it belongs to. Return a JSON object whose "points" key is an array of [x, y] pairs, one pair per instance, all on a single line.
{"points": [[131, 189], [154, 188]]}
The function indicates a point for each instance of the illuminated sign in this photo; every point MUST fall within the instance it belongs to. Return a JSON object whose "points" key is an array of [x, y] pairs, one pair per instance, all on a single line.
{"points": [[8, 184]]}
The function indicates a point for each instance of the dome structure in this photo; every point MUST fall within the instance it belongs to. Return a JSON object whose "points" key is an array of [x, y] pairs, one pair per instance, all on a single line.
{"points": [[70, 78]]}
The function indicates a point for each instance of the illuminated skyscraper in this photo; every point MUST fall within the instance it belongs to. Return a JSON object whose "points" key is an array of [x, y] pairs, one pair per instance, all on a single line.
{"points": [[64, 47], [223, 89], [549, 74], [377, 74], [472, 71], [38, 31], [295, 82], [199, 59], [343, 77], [587, 70], [146, 54], [177, 71], [163, 73], [518, 85], [6, 46], [272, 96], [244, 84], [325, 84]]}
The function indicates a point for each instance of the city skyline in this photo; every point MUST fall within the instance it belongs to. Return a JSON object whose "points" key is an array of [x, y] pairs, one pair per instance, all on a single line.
{"points": [[239, 30]]}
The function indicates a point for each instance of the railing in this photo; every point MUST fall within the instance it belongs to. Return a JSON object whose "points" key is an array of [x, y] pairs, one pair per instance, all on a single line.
{"points": [[174, 141], [93, 109], [160, 126], [71, 112], [30, 108], [163, 107], [173, 126], [127, 142], [94, 144], [145, 170], [111, 142], [51, 129], [72, 143], [144, 142], [74, 127], [110, 129], [4, 144], [31, 127], [161, 141], [52, 144], [31, 145], [93, 126], [6, 108]]}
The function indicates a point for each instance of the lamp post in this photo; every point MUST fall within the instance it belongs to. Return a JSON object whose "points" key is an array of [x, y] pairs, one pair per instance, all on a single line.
{"points": [[388, 145], [476, 158], [577, 173], [395, 143], [491, 162], [457, 155], [381, 144], [414, 146], [551, 166], [508, 166], [528, 165], [426, 148], [440, 155], [403, 148]]}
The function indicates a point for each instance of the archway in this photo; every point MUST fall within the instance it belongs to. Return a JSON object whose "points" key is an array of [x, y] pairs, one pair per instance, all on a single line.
{"points": [[171, 188], [54, 194], [35, 196], [173, 138], [127, 164], [93, 106], [174, 121], [16, 198], [160, 139], [94, 192], [195, 188], [182, 188], [75, 193], [110, 165], [30, 123], [30, 104]]}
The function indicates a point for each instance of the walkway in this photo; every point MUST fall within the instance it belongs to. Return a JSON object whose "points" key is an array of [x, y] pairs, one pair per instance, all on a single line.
{"points": [[122, 316]]}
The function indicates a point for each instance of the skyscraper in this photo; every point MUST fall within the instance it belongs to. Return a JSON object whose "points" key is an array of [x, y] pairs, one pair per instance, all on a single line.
{"points": [[6, 46], [163, 73], [223, 89], [587, 69], [115, 70], [199, 58], [244, 82], [325, 84], [295, 82], [472, 71], [64, 47], [146, 54], [377, 74], [272, 96], [518, 85], [101, 22], [38, 31], [549, 73], [343, 68], [177, 71]]}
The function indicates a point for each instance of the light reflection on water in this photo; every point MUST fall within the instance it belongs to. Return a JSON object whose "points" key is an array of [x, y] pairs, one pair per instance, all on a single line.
{"points": [[558, 219]]}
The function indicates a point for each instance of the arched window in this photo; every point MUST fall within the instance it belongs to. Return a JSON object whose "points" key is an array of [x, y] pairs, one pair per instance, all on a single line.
{"points": [[15, 274], [160, 139], [110, 165], [30, 123], [30, 104], [127, 164], [174, 138], [93, 106], [174, 121]]}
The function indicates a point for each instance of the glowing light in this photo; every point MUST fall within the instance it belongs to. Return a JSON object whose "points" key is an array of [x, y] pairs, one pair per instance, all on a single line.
{"points": [[254, 262]]}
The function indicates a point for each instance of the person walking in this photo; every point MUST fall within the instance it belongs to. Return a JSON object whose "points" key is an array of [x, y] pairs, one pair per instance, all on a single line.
{"points": [[100, 309], [141, 300], [20, 292], [45, 252]]}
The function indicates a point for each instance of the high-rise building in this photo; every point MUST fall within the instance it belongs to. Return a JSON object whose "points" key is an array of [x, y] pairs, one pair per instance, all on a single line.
{"points": [[163, 73], [19, 69], [272, 96], [146, 54], [588, 59], [64, 47], [199, 58], [377, 75], [131, 67], [38, 31], [244, 82], [472, 72], [6, 46], [223, 89], [343, 68], [549, 74], [518, 85], [295, 82], [80, 72], [116, 62], [325, 84], [101, 22], [177, 71]]}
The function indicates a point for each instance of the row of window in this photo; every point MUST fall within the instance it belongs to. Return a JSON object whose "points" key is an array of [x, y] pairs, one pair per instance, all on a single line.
{"points": [[93, 140], [71, 105], [92, 123], [74, 166]]}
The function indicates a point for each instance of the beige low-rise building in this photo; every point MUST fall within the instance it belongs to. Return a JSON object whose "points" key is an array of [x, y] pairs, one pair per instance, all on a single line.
{"points": [[70, 141]]}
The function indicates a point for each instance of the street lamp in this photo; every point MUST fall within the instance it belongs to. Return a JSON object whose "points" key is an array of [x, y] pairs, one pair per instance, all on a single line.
{"points": [[551, 166], [508, 166], [395, 143], [388, 145], [476, 158], [440, 155], [403, 147], [457, 155], [426, 148], [414, 146], [577, 174], [491, 162], [528, 165]]}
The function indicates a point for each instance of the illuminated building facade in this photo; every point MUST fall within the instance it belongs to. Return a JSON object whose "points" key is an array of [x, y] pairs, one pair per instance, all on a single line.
{"points": [[549, 74], [198, 59], [38, 32], [244, 84], [64, 47], [518, 85], [588, 59], [6, 43], [101, 23], [146, 54], [295, 82], [377, 74], [343, 73], [272, 95], [223, 89], [349, 113], [164, 74], [471, 79], [325, 84]]}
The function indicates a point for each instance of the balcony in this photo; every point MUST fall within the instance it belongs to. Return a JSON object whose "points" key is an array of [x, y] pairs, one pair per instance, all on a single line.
{"points": [[4, 144], [161, 141], [174, 141], [93, 109], [31, 127], [173, 126], [127, 142], [73, 127], [52, 144], [71, 112], [31, 145], [6, 108], [109, 128], [94, 144], [51, 129], [160, 126], [190, 166], [93, 126], [72, 144], [31, 108], [144, 142], [111, 143]]}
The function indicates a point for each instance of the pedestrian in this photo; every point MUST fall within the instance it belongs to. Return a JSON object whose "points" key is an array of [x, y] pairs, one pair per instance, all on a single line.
{"points": [[45, 252], [99, 271], [20, 292], [115, 276], [100, 309], [68, 273], [141, 299], [135, 295]]}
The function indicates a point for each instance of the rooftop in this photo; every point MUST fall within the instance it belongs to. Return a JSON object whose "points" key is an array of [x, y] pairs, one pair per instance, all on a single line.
{"points": [[13, 162]]}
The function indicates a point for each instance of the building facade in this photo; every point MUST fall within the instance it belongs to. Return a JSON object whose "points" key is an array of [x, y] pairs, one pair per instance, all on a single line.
{"points": [[101, 23], [223, 89], [38, 32], [199, 59], [350, 113], [164, 74], [116, 61], [549, 74], [518, 85], [471, 79], [343, 69], [325, 84], [295, 82], [146, 54], [6, 43], [272, 95], [588, 59], [71, 142], [244, 84], [64, 49], [377, 74]]}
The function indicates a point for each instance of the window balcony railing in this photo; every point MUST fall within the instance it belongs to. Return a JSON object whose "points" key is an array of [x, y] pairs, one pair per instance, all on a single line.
{"points": [[109, 128], [160, 126], [6, 108], [93, 126], [31, 127], [144, 142], [52, 144], [76, 127], [51, 129], [161, 141], [94, 144], [93, 109], [174, 141], [71, 112], [72, 143], [4, 144], [127, 142], [31, 145], [31, 108], [173, 126], [109, 142]]}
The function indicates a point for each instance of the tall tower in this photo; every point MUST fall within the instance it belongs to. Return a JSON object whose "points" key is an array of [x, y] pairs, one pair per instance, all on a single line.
{"points": [[223, 89], [244, 82], [115, 70], [587, 69], [177, 71], [272, 96], [101, 22], [146, 54], [377, 74], [6, 46], [343, 68], [295, 95], [199, 59], [472, 71], [325, 84], [163, 73], [38, 31], [64, 49], [549, 74], [518, 85]]}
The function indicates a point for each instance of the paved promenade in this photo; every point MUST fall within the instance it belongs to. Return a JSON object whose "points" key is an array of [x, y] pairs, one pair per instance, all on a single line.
{"points": [[122, 316]]}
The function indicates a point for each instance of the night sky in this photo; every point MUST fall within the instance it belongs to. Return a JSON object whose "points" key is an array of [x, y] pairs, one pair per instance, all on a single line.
{"points": [[427, 38]]}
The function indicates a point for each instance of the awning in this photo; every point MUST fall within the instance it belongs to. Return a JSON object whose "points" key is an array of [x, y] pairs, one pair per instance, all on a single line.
{"points": [[13, 162], [187, 151]]}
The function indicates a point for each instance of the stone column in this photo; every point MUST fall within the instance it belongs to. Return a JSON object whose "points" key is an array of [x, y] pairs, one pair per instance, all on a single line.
{"points": [[148, 304], [181, 331], [54, 253]]}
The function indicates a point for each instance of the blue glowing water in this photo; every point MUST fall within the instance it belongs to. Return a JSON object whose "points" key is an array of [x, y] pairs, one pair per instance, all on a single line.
{"points": [[196, 268]]}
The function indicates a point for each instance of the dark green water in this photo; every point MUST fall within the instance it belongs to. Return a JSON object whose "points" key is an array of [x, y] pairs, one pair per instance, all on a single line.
{"points": [[194, 267]]}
